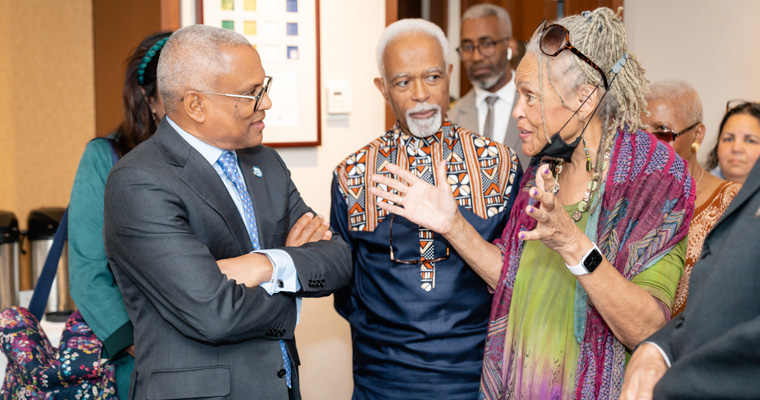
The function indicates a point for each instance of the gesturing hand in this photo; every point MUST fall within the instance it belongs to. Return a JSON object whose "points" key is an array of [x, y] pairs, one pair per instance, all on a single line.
{"points": [[430, 206], [554, 227]]}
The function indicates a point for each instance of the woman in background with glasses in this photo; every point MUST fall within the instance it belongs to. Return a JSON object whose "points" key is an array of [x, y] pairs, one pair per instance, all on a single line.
{"points": [[93, 287], [592, 254], [738, 145], [675, 117]]}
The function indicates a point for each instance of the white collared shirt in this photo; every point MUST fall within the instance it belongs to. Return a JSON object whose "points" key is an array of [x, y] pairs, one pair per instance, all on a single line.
{"points": [[502, 108], [284, 268]]}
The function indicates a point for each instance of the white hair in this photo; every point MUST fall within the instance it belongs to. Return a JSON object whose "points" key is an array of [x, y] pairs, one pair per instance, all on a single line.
{"points": [[192, 59], [488, 10], [681, 95], [410, 25]]}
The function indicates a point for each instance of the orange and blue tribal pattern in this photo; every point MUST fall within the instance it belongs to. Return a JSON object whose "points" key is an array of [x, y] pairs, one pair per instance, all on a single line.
{"points": [[480, 172]]}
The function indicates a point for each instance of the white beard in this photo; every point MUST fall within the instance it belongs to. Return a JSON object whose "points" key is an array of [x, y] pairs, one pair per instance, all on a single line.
{"points": [[422, 128]]}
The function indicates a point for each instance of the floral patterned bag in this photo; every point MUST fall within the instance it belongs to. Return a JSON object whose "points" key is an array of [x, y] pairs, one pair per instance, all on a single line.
{"points": [[36, 370]]}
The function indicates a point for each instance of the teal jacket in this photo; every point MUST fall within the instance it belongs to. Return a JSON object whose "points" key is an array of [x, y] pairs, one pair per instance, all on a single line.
{"points": [[93, 287]]}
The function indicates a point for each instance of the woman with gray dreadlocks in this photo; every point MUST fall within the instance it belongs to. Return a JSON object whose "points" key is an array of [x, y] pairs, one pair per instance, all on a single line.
{"points": [[589, 262]]}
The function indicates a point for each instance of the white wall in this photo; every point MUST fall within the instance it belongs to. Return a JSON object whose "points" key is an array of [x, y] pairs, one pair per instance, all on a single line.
{"points": [[711, 44], [349, 34]]}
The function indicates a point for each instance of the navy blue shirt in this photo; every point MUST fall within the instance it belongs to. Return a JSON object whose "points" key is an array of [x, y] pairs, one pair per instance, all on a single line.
{"points": [[408, 342]]}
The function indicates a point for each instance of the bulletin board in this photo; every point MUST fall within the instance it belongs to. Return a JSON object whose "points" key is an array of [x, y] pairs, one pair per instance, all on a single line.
{"points": [[286, 35]]}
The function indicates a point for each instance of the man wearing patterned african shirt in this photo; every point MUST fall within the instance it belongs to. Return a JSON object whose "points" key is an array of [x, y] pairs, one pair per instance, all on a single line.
{"points": [[418, 312]]}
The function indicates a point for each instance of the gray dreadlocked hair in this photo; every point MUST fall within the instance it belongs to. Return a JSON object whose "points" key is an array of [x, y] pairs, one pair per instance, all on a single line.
{"points": [[601, 36]]}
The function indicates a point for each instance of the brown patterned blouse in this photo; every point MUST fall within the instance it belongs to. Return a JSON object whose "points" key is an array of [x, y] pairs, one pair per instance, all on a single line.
{"points": [[705, 217]]}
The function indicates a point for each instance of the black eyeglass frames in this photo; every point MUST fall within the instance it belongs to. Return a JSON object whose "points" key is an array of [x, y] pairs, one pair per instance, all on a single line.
{"points": [[412, 262], [486, 48]]}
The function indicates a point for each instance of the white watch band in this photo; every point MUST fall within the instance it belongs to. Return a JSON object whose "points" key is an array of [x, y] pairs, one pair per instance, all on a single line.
{"points": [[580, 269]]}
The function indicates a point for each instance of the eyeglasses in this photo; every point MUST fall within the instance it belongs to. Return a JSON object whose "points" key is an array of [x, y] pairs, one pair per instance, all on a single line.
{"points": [[556, 38], [486, 48], [412, 262], [739, 103], [257, 97], [668, 135]]}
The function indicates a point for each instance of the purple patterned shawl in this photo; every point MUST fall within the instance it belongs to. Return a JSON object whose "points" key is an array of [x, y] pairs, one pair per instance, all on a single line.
{"points": [[647, 203]]}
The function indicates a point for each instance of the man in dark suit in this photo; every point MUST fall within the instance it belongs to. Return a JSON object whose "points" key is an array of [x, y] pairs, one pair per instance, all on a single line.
{"points": [[191, 205], [712, 349], [486, 50]]}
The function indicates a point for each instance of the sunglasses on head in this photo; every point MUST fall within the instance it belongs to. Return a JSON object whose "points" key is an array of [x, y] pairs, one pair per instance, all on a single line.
{"points": [[739, 103], [556, 38], [668, 135]]}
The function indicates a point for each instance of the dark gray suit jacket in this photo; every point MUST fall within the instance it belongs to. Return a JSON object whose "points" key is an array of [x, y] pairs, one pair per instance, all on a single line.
{"points": [[465, 114], [168, 218], [714, 345]]}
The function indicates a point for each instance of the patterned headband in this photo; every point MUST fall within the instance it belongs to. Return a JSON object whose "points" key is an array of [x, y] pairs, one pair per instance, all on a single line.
{"points": [[148, 56]]}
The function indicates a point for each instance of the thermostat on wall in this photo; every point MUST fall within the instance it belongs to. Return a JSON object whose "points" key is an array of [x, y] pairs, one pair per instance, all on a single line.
{"points": [[338, 97]]}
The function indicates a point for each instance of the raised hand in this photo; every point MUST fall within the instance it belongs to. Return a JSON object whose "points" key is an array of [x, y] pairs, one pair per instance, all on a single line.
{"points": [[430, 206]]}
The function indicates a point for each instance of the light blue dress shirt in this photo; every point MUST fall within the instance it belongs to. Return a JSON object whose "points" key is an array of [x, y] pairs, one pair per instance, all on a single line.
{"points": [[284, 268]]}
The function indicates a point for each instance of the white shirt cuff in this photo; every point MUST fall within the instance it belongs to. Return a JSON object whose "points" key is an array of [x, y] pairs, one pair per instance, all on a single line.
{"points": [[284, 275], [662, 352]]}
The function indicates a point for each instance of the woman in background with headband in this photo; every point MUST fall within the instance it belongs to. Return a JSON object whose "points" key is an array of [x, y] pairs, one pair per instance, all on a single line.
{"points": [[738, 145], [93, 287], [588, 264]]}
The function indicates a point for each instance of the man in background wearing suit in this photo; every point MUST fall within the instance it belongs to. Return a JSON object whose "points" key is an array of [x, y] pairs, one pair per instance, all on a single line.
{"points": [[486, 50], [196, 202], [712, 349]]}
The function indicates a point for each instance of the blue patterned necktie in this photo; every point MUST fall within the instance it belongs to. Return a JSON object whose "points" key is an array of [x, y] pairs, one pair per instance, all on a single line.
{"points": [[229, 166]]}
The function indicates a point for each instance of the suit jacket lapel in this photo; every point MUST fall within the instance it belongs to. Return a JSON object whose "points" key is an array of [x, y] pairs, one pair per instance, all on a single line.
{"points": [[751, 185], [257, 188], [468, 114], [202, 179]]}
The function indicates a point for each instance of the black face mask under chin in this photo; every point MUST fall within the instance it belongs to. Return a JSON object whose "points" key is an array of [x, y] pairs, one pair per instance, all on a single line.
{"points": [[558, 148]]}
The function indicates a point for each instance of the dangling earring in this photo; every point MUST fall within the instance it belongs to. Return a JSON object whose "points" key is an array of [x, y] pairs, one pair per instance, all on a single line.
{"points": [[695, 147], [588, 156]]}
